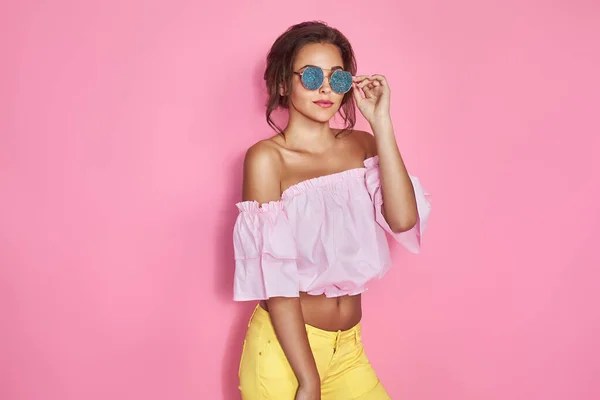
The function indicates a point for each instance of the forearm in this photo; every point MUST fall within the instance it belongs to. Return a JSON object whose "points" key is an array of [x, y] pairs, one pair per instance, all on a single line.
{"points": [[399, 206], [287, 319]]}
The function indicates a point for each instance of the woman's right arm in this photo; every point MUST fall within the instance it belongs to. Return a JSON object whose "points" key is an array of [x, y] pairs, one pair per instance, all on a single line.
{"points": [[262, 167]]}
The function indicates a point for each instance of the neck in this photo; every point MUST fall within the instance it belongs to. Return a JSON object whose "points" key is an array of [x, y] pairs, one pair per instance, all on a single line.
{"points": [[302, 133]]}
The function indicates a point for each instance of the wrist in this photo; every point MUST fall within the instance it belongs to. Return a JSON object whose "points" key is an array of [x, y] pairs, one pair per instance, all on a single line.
{"points": [[309, 380], [381, 123]]}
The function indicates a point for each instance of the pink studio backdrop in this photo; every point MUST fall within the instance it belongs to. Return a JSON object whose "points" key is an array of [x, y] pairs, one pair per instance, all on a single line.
{"points": [[123, 127]]}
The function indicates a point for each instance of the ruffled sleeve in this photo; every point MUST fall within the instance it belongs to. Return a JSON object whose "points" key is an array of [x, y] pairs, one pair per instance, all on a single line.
{"points": [[265, 253], [410, 239]]}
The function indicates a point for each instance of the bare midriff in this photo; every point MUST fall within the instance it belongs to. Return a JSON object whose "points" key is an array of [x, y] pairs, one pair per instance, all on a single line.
{"points": [[329, 313]]}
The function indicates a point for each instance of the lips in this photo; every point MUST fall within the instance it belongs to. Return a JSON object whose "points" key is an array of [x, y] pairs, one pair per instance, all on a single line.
{"points": [[324, 103]]}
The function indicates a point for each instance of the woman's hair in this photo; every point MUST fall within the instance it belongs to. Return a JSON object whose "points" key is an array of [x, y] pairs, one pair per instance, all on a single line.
{"points": [[280, 64]]}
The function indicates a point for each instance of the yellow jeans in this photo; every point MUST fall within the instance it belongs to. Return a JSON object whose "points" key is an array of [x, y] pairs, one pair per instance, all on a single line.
{"points": [[344, 369]]}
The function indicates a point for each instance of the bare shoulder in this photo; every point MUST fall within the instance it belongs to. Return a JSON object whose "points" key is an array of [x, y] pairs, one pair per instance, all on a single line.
{"points": [[263, 154], [364, 140], [262, 171]]}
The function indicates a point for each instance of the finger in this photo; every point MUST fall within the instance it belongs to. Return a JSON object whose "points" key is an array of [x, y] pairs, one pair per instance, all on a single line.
{"points": [[379, 78], [363, 83], [368, 89], [369, 94], [356, 92], [359, 78]]}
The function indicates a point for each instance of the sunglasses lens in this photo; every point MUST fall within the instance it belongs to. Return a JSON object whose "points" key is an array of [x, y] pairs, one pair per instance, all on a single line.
{"points": [[312, 78], [340, 81]]}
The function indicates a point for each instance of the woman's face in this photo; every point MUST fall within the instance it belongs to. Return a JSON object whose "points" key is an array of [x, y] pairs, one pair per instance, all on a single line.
{"points": [[321, 104]]}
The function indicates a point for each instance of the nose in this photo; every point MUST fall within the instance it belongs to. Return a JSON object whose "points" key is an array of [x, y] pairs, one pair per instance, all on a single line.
{"points": [[325, 88]]}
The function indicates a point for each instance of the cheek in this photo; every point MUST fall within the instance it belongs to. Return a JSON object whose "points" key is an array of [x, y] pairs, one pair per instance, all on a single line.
{"points": [[301, 96]]}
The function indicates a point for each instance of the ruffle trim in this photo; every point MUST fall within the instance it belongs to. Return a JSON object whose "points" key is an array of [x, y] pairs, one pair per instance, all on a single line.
{"points": [[252, 206], [330, 179]]}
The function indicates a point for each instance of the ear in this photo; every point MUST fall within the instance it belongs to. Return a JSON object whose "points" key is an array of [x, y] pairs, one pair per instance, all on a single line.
{"points": [[282, 91]]}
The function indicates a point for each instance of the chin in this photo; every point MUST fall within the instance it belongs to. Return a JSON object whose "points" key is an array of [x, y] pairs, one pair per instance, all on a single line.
{"points": [[320, 118], [322, 115]]}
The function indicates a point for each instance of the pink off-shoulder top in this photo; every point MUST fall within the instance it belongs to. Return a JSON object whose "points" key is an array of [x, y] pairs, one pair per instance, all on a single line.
{"points": [[327, 235]]}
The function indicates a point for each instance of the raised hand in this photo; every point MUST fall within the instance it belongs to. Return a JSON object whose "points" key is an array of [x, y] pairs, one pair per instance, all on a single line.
{"points": [[372, 95]]}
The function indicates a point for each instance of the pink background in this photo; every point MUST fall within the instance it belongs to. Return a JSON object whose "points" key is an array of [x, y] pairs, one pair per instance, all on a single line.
{"points": [[123, 127]]}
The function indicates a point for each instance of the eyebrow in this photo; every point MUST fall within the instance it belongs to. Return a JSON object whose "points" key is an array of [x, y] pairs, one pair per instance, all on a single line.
{"points": [[332, 68]]}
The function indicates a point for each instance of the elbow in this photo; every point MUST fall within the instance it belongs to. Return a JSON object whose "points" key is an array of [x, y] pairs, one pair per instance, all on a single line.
{"points": [[404, 225], [404, 221]]}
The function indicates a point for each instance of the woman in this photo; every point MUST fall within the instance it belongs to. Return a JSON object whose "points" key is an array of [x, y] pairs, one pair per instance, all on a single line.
{"points": [[312, 226]]}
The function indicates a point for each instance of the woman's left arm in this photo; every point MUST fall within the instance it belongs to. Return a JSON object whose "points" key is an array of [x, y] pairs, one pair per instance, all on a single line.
{"points": [[399, 205]]}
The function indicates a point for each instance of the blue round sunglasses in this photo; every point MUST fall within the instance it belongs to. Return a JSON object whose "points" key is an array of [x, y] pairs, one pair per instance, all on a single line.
{"points": [[313, 77]]}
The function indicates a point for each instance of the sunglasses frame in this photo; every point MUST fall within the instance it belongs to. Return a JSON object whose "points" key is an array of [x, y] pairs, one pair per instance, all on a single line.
{"points": [[301, 74]]}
